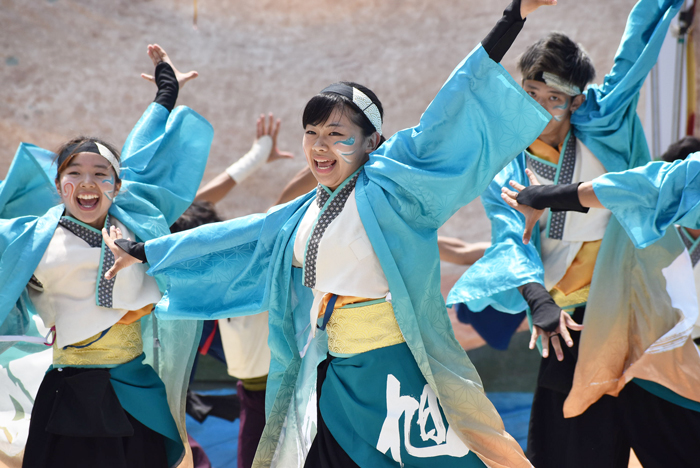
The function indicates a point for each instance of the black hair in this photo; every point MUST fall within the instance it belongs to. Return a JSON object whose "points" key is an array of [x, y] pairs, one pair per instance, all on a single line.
{"points": [[78, 141], [197, 214], [681, 149], [320, 107], [557, 54]]}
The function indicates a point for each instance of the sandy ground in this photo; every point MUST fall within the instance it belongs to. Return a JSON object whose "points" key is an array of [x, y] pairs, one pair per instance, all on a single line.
{"points": [[72, 67]]}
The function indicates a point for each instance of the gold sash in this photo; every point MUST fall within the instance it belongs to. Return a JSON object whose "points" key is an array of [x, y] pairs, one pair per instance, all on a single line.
{"points": [[121, 344], [357, 329]]}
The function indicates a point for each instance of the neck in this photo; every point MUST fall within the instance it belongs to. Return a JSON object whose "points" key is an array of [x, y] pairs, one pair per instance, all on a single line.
{"points": [[557, 135], [694, 233]]}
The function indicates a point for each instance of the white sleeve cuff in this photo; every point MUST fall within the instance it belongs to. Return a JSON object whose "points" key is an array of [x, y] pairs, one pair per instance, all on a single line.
{"points": [[252, 160]]}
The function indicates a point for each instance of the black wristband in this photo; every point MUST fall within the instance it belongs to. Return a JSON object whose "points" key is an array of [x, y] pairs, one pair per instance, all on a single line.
{"points": [[545, 312], [135, 249], [554, 197], [168, 86], [498, 41]]}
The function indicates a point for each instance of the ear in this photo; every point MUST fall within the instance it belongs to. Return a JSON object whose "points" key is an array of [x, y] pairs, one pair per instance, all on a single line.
{"points": [[372, 142], [577, 102], [117, 187]]}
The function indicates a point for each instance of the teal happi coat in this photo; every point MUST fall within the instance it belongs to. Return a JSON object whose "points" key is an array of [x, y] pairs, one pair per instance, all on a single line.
{"points": [[608, 125], [411, 185], [162, 164]]}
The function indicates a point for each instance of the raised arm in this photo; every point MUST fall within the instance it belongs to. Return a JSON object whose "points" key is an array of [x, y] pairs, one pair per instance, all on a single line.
{"points": [[478, 122], [264, 150], [606, 122]]}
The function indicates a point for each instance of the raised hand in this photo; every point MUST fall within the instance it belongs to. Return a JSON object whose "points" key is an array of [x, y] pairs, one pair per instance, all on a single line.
{"points": [[565, 322], [528, 6], [121, 258], [531, 214], [157, 55], [271, 127]]}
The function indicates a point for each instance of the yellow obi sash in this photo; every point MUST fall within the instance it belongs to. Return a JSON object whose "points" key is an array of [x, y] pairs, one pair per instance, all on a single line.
{"points": [[361, 327], [116, 345]]}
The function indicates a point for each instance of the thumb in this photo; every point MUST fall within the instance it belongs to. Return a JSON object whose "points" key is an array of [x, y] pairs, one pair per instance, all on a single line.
{"points": [[148, 77], [188, 76], [111, 273]]}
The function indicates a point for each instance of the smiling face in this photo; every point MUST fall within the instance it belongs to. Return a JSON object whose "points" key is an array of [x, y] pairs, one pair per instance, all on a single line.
{"points": [[87, 186], [559, 104], [336, 148]]}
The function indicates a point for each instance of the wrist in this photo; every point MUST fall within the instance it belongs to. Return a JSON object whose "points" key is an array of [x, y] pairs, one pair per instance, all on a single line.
{"points": [[252, 160]]}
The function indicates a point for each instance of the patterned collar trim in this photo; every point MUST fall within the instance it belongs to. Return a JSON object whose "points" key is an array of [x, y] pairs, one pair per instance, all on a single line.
{"points": [[690, 244], [331, 206]]}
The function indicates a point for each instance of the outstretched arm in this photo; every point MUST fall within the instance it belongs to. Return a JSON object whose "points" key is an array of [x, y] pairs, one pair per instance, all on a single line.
{"points": [[457, 251], [531, 201], [303, 182], [264, 150]]}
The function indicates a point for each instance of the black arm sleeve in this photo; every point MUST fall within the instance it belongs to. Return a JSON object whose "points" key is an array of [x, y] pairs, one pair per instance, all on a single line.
{"points": [[555, 197], [545, 312], [501, 37], [135, 249], [168, 87]]}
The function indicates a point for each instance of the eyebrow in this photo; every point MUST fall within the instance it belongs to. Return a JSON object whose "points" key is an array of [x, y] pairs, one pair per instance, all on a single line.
{"points": [[99, 166]]}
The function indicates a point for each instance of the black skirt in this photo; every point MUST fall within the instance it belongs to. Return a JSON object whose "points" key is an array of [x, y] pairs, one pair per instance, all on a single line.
{"points": [[77, 421]]}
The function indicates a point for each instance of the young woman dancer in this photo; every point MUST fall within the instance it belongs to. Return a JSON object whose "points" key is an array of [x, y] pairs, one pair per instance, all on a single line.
{"points": [[350, 275], [99, 404], [610, 318]]}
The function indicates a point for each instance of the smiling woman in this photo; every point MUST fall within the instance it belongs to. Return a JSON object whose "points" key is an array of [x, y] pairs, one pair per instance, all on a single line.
{"points": [[365, 370], [88, 410]]}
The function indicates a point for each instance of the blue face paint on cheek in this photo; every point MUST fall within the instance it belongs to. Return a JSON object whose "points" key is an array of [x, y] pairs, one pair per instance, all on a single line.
{"points": [[109, 193], [349, 142], [563, 107]]}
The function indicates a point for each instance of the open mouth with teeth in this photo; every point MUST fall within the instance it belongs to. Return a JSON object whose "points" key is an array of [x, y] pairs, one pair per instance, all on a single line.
{"points": [[324, 166], [87, 201]]}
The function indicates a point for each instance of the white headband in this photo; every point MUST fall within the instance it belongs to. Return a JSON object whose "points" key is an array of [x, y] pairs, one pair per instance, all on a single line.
{"points": [[369, 108], [560, 84], [107, 154]]}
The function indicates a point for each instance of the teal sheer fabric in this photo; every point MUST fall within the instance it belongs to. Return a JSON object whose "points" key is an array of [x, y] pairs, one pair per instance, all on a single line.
{"points": [[412, 184], [648, 200], [162, 164], [607, 123]]}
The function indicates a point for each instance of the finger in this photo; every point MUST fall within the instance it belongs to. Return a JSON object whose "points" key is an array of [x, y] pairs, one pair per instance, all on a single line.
{"points": [[571, 323], [517, 186], [148, 77], [557, 347], [276, 131], [510, 192], [285, 154], [527, 233], [532, 177], [271, 125], [565, 335], [264, 124], [545, 346], [533, 338], [108, 240], [185, 77], [510, 201], [110, 273]]}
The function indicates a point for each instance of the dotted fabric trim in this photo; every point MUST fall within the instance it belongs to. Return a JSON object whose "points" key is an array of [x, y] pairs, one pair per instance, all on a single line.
{"points": [[557, 219], [542, 169], [689, 241], [105, 287], [325, 219]]}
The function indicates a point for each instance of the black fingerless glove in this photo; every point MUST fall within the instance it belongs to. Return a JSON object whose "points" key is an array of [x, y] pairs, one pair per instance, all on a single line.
{"points": [[168, 86], [135, 249], [555, 197], [501, 37], [545, 312]]}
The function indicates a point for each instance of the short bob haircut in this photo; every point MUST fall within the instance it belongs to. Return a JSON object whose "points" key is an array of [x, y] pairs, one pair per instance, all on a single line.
{"points": [[557, 54], [77, 141], [320, 107]]}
